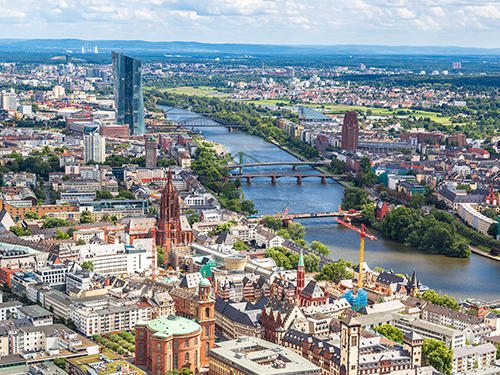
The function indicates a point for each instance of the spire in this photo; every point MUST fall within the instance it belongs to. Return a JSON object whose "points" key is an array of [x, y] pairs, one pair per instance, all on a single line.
{"points": [[301, 259]]}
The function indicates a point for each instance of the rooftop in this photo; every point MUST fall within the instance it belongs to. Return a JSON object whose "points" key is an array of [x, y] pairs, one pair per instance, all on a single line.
{"points": [[171, 325], [257, 356]]}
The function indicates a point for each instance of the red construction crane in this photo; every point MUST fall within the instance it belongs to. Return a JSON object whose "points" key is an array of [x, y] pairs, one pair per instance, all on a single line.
{"points": [[363, 234]]}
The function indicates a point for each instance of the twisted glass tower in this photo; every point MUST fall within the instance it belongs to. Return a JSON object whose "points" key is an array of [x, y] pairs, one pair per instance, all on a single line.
{"points": [[129, 101]]}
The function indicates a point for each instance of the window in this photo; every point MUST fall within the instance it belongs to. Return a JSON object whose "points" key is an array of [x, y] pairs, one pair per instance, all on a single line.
{"points": [[158, 360], [141, 335], [176, 346], [187, 344], [158, 346], [186, 357], [207, 313], [169, 346], [158, 372], [207, 348], [195, 341], [195, 358], [175, 360], [206, 331], [141, 350], [169, 362]]}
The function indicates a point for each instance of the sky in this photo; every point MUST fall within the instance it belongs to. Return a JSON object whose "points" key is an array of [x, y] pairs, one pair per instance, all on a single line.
{"points": [[466, 23]]}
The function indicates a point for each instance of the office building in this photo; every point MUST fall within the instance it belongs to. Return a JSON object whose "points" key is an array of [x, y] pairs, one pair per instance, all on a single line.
{"points": [[256, 356], [94, 148], [151, 146], [9, 101], [129, 101], [350, 131]]}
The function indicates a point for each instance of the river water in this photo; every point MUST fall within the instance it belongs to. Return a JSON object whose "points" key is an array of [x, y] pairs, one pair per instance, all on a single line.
{"points": [[477, 277]]}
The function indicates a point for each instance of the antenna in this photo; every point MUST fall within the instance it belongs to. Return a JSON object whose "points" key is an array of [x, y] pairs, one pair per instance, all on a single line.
{"points": [[123, 48]]}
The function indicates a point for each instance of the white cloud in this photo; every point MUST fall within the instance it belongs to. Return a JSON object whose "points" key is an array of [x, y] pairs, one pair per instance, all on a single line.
{"points": [[393, 22]]}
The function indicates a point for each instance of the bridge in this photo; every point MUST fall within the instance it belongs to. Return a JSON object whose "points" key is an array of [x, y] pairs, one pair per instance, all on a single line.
{"points": [[288, 218], [202, 120], [275, 176], [239, 162], [294, 164]]}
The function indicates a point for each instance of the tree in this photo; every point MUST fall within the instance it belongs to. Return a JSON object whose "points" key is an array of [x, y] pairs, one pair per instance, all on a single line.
{"points": [[491, 213], [320, 248], [338, 167], [70, 323], [86, 217], [311, 262], [53, 222], [436, 354], [60, 362], [194, 218], [369, 178], [240, 245], [492, 230], [60, 235], [160, 255], [354, 199], [125, 194], [88, 265], [80, 242], [31, 215], [65, 177], [296, 231], [417, 200], [6, 288], [19, 231], [335, 272], [248, 206], [467, 188], [365, 164], [273, 222], [431, 296], [101, 195], [392, 333], [225, 227]]}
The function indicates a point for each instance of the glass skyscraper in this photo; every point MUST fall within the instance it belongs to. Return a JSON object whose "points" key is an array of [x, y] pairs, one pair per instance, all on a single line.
{"points": [[129, 101]]}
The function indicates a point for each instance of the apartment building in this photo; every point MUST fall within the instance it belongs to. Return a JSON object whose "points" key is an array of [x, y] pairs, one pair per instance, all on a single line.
{"points": [[120, 318], [469, 357]]}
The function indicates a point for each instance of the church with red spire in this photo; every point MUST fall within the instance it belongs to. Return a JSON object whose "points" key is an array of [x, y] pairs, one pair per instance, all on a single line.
{"points": [[171, 231]]}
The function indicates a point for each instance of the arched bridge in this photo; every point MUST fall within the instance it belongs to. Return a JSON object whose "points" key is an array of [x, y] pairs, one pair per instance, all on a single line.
{"points": [[272, 163], [275, 176], [206, 120]]}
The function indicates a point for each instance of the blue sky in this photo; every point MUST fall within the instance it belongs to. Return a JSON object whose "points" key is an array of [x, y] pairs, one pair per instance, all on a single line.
{"points": [[468, 23]]}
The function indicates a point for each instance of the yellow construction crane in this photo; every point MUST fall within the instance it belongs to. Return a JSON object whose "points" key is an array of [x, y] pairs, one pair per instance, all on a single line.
{"points": [[363, 234], [10, 123]]}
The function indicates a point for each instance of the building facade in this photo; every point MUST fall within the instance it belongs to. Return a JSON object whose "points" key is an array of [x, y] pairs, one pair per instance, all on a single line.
{"points": [[127, 87], [350, 131], [151, 145], [94, 148]]}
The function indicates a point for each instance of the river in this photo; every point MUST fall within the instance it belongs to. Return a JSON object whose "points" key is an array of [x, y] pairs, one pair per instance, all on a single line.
{"points": [[477, 277]]}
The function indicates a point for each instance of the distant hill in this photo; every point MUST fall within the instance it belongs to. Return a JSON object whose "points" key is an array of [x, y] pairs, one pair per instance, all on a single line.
{"points": [[75, 45]]}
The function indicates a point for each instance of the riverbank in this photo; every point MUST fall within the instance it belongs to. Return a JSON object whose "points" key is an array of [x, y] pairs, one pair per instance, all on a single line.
{"points": [[477, 251]]}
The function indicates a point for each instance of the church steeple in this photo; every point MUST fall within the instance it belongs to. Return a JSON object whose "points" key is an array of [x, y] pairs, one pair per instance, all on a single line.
{"points": [[169, 220], [301, 275]]}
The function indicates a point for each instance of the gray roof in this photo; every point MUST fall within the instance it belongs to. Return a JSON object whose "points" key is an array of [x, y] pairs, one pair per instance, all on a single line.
{"points": [[35, 311], [191, 280]]}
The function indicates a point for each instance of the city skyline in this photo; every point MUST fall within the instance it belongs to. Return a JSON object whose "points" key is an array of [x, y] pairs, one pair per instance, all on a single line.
{"points": [[403, 22]]}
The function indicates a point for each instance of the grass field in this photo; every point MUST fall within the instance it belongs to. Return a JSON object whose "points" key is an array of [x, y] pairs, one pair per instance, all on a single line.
{"points": [[206, 90], [200, 91]]}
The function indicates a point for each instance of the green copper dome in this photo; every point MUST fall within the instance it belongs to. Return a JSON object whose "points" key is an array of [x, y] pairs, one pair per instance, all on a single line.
{"points": [[204, 282], [172, 325]]}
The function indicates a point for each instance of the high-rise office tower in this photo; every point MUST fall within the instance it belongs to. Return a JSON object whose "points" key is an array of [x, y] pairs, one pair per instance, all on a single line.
{"points": [[151, 146], [350, 131], [94, 148], [129, 101]]}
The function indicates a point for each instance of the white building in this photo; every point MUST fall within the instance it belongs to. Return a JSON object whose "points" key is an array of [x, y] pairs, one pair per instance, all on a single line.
{"points": [[94, 148], [475, 333], [9, 101], [467, 358], [79, 279], [9, 310], [90, 321], [55, 274], [263, 238], [118, 259]]}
